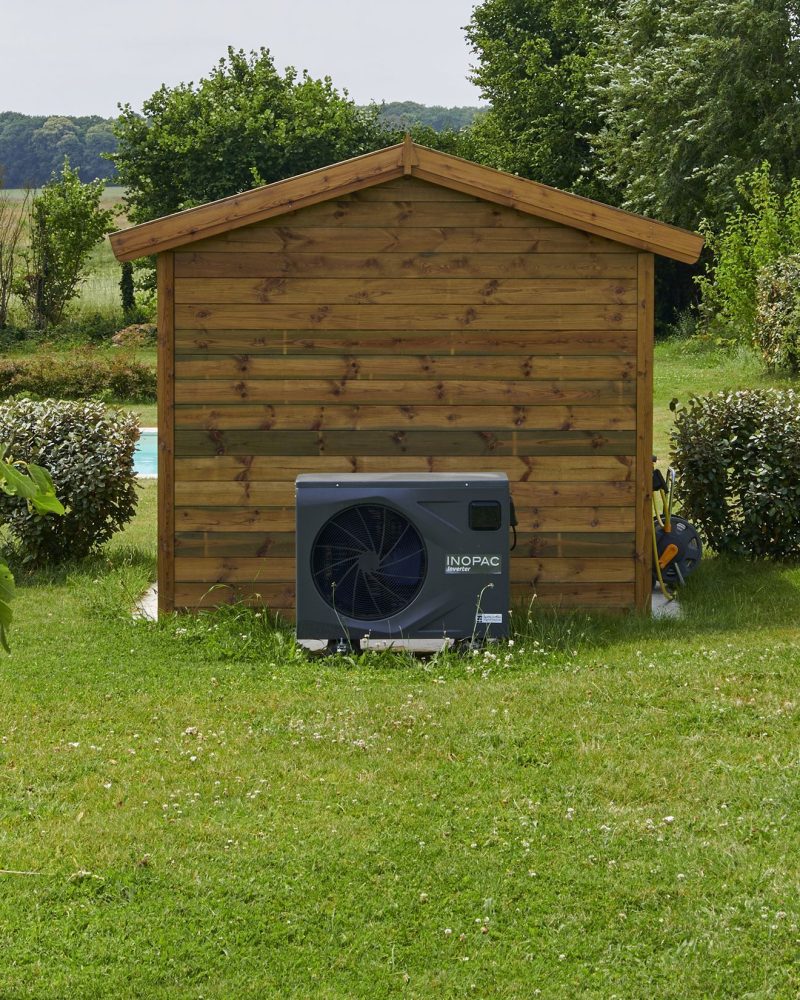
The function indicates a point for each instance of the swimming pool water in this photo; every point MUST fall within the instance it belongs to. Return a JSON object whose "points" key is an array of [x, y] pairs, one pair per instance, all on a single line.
{"points": [[145, 459]]}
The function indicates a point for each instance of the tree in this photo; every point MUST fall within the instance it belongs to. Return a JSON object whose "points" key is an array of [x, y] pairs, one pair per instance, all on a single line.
{"points": [[762, 231], [695, 93], [127, 291], [57, 139], [13, 215], [404, 114], [535, 59], [66, 223], [32, 147], [242, 125]]}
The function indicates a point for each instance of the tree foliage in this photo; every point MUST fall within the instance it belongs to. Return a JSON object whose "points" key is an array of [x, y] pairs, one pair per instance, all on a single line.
{"points": [[534, 62], [405, 114], [242, 125], [777, 323], [763, 229], [66, 223], [32, 148], [694, 93], [13, 216]]}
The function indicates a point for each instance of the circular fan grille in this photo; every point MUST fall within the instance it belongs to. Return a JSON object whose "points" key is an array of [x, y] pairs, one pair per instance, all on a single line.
{"points": [[368, 562]]}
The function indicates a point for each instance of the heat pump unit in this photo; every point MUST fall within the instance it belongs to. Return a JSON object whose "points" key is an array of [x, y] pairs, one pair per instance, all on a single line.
{"points": [[402, 559]]}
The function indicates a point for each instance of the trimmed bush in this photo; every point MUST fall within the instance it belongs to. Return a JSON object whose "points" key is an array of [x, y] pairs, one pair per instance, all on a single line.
{"points": [[737, 455], [88, 451], [136, 335], [777, 325], [78, 375]]}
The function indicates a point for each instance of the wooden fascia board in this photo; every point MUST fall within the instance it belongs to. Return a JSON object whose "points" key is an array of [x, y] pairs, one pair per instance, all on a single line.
{"points": [[261, 203], [406, 158], [557, 206]]}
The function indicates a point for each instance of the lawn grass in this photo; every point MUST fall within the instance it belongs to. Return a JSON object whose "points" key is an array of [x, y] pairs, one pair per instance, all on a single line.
{"points": [[695, 367], [606, 808]]}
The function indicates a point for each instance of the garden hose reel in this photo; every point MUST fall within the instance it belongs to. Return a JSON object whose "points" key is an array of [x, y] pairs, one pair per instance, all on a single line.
{"points": [[677, 547]]}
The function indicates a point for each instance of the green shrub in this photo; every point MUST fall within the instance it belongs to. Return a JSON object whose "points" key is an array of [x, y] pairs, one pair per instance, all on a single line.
{"points": [[754, 237], [777, 326], [66, 223], [737, 456], [87, 326], [78, 374], [89, 454]]}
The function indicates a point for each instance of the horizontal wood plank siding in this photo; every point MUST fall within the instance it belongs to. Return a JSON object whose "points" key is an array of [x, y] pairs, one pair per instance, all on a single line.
{"points": [[248, 316], [399, 239], [419, 342], [403, 291], [406, 327], [538, 494], [229, 544], [402, 442], [486, 266], [484, 391], [524, 468], [281, 569], [611, 367], [531, 519], [268, 417], [280, 597]]}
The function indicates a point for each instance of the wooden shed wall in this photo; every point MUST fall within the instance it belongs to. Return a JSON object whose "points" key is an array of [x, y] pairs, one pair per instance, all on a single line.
{"points": [[405, 327]]}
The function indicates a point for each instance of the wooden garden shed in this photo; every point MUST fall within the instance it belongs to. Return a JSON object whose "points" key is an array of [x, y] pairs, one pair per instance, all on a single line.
{"points": [[405, 311]]}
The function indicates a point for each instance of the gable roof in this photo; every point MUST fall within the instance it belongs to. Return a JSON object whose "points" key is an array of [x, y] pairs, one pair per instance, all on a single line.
{"points": [[406, 158]]}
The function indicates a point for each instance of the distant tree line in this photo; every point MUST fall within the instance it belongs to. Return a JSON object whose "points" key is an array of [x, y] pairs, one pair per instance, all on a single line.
{"points": [[34, 147], [404, 114], [656, 106]]}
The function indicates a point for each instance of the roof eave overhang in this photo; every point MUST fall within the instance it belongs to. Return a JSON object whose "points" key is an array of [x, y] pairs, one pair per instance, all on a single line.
{"points": [[408, 159]]}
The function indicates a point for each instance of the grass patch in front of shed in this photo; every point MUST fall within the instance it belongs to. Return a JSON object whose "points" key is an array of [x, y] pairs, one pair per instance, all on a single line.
{"points": [[207, 814]]}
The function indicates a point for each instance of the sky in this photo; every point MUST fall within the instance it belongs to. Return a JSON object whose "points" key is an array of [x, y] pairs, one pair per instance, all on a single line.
{"points": [[84, 58]]}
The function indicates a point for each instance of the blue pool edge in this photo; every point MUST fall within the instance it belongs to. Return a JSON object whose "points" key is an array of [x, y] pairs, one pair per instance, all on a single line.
{"points": [[150, 432]]}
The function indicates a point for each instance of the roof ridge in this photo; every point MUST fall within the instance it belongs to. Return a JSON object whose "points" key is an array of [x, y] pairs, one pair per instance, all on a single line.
{"points": [[407, 158]]}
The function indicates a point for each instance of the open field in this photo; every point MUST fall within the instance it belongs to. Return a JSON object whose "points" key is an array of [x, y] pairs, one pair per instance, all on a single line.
{"points": [[100, 291], [111, 196]]}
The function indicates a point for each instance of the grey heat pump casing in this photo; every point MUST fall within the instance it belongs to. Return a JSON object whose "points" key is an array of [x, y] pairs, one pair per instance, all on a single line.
{"points": [[402, 556]]}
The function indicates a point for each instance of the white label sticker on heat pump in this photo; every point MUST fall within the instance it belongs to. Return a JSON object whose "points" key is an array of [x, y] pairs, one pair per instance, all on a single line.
{"points": [[483, 619]]}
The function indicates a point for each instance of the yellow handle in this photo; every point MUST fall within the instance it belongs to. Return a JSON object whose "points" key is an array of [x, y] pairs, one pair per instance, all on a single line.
{"points": [[668, 555]]}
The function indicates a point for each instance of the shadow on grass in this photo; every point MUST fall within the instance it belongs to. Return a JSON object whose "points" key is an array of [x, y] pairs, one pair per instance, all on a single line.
{"points": [[106, 584], [727, 593], [724, 595], [96, 566]]}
